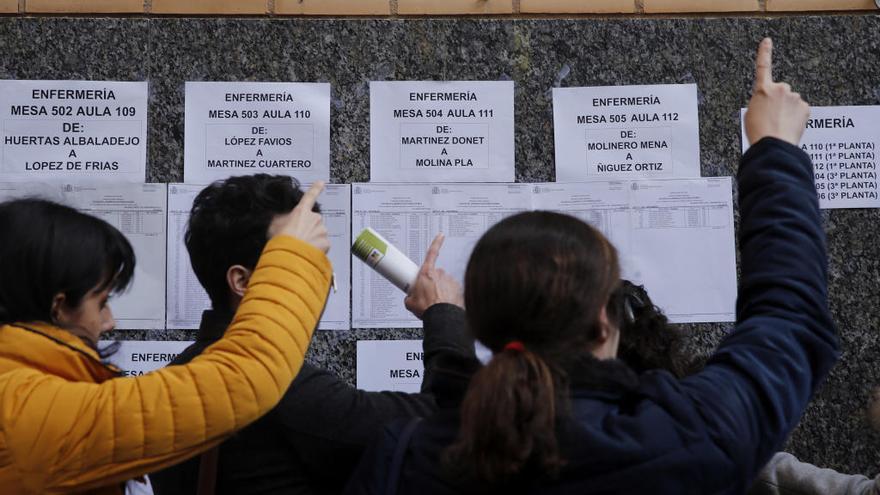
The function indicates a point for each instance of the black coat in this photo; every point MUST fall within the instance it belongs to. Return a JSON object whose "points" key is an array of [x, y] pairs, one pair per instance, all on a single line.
{"points": [[311, 442], [706, 434]]}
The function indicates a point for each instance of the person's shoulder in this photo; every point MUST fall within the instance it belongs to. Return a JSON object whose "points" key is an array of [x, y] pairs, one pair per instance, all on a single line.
{"points": [[311, 376], [190, 353], [659, 402], [659, 380], [312, 386], [23, 376]]}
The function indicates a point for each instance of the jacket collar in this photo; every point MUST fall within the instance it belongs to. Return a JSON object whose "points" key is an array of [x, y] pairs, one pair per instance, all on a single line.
{"points": [[213, 325], [585, 376], [589, 375], [54, 350]]}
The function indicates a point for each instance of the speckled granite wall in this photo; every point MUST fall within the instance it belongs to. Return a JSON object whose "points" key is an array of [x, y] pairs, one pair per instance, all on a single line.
{"points": [[830, 60]]}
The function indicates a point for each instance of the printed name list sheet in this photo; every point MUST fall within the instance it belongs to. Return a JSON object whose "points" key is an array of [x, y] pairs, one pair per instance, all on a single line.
{"points": [[675, 236], [138, 211], [401, 213]]}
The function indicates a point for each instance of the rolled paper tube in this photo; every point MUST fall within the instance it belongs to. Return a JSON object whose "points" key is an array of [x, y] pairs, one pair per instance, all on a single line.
{"points": [[371, 248]]}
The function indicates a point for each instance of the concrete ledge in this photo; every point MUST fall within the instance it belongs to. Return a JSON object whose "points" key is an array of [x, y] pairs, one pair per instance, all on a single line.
{"points": [[804, 5], [332, 7], [685, 6], [210, 7], [81, 7], [454, 7], [8, 6], [578, 6]]}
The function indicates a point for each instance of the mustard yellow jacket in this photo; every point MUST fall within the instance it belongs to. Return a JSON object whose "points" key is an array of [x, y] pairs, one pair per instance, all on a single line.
{"points": [[68, 424]]}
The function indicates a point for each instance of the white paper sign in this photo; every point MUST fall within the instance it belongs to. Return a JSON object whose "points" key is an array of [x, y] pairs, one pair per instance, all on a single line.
{"points": [[71, 130], [464, 212], [842, 143], [138, 211], [452, 131], [138, 357], [395, 365], [401, 213], [628, 132], [675, 236], [239, 128], [186, 299], [335, 204]]}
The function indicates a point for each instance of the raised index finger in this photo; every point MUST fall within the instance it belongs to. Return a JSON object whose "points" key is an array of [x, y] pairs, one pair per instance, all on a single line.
{"points": [[311, 196], [764, 62], [433, 252]]}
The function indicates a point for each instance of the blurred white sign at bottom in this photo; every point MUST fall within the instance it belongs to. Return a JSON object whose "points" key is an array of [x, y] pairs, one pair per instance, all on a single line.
{"points": [[396, 365], [137, 357]]}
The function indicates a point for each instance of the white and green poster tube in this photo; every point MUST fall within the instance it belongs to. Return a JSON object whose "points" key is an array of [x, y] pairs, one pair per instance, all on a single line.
{"points": [[387, 260]]}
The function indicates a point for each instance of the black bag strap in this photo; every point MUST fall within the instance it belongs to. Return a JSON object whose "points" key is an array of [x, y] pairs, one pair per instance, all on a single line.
{"points": [[396, 468], [208, 472]]}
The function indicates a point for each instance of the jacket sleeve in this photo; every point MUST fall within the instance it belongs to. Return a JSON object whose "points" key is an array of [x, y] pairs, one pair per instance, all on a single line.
{"points": [[64, 436], [785, 475], [350, 419], [446, 342], [755, 387], [330, 423]]}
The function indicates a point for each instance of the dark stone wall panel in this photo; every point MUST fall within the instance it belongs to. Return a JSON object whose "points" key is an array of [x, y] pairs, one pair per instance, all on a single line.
{"points": [[829, 60]]}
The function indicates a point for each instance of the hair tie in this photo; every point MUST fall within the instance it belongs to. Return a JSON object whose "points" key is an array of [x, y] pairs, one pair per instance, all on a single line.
{"points": [[515, 345]]}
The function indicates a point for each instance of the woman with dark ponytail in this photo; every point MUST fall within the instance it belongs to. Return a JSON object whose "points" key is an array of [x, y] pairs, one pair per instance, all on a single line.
{"points": [[536, 287], [554, 411]]}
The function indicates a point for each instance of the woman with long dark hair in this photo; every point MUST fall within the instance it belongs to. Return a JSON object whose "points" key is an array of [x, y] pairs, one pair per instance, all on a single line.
{"points": [[554, 412], [70, 423]]}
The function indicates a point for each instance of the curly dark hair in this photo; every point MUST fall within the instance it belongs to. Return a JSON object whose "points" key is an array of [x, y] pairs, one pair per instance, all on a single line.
{"points": [[647, 340], [229, 225]]}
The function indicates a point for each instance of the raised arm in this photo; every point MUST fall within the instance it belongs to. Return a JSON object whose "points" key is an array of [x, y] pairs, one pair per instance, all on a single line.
{"points": [[351, 419], [437, 299], [142, 424], [758, 383]]}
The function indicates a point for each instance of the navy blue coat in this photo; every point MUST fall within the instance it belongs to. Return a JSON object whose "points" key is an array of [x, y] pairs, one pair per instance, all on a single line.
{"points": [[708, 433]]}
